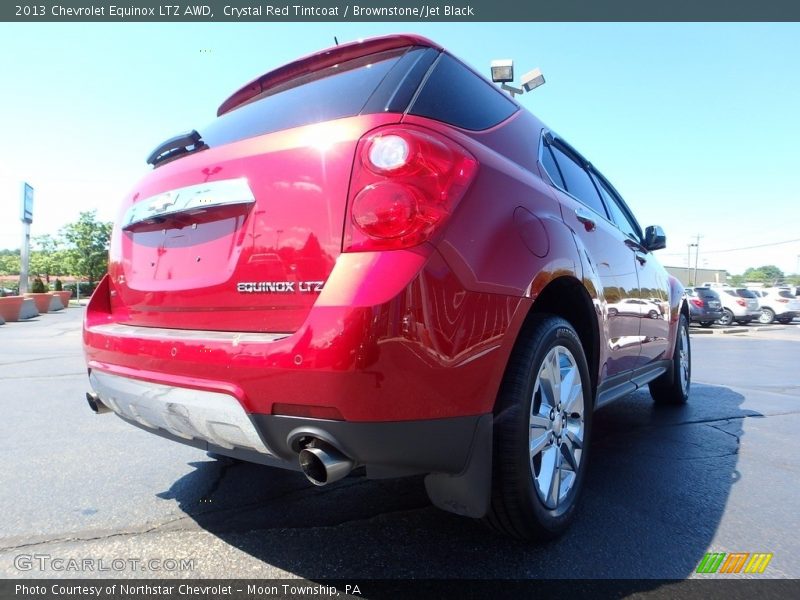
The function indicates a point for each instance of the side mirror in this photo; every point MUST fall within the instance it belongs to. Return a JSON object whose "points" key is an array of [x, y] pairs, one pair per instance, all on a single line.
{"points": [[654, 238]]}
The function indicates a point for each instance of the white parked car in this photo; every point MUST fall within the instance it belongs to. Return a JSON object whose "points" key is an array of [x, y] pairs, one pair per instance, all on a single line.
{"points": [[738, 304], [777, 304], [636, 307]]}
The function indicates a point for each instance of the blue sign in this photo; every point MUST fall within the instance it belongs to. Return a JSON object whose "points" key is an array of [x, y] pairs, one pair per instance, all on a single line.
{"points": [[26, 212]]}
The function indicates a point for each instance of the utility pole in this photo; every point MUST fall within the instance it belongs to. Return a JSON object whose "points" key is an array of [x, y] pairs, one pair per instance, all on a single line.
{"points": [[696, 255], [689, 264]]}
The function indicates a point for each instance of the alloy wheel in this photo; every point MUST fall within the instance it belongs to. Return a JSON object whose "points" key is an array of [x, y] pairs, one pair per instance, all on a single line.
{"points": [[683, 357], [556, 432]]}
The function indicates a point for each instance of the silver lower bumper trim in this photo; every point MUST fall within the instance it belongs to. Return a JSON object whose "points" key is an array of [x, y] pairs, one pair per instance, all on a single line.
{"points": [[189, 414]]}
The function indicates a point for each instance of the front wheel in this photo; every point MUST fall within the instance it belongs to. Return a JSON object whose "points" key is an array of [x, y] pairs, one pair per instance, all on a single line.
{"points": [[543, 421], [673, 386], [767, 316]]}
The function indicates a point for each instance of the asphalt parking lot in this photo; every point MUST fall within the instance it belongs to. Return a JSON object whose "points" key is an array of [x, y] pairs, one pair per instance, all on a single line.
{"points": [[665, 486]]}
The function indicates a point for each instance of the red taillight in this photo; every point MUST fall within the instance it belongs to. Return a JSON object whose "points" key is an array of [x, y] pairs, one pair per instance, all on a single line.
{"points": [[406, 182], [741, 302], [697, 302]]}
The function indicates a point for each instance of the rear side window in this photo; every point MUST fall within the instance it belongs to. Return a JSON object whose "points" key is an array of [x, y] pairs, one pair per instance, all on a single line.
{"points": [[745, 293], [618, 213], [332, 93], [455, 95], [551, 167], [785, 294], [578, 182]]}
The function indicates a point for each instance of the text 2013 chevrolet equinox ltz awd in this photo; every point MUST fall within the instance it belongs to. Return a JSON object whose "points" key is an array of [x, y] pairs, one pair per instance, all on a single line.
{"points": [[373, 258]]}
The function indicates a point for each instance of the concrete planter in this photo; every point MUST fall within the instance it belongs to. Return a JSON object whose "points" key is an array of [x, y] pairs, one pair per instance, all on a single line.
{"points": [[42, 301], [55, 302], [28, 310], [65, 295], [10, 307]]}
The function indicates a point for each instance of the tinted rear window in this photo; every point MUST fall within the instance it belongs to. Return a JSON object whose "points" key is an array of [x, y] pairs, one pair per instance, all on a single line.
{"points": [[551, 167], [785, 294], [578, 181], [706, 293], [453, 94], [744, 293], [332, 93]]}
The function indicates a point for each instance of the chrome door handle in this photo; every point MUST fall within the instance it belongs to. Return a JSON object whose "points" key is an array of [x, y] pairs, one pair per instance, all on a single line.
{"points": [[637, 251], [588, 221]]}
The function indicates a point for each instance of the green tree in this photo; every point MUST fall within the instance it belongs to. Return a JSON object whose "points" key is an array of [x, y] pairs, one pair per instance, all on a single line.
{"points": [[9, 262], [736, 280], [87, 245], [769, 274], [47, 257]]}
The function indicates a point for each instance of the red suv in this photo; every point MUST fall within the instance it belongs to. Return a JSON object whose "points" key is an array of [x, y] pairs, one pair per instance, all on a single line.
{"points": [[373, 258]]}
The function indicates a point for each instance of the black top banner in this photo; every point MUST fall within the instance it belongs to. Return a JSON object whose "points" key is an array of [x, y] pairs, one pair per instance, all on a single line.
{"points": [[383, 10]]}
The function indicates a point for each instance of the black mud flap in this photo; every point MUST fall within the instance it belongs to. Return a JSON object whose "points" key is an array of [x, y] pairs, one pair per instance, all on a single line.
{"points": [[468, 493]]}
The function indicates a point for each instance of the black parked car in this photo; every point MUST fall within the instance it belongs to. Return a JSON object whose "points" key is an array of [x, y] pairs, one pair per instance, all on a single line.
{"points": [[705, 306]]}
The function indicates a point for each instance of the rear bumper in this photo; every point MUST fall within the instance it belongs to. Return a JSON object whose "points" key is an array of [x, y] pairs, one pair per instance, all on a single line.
{"points": [[702, 315], [789, 314], [216, 422], [746, 315]]}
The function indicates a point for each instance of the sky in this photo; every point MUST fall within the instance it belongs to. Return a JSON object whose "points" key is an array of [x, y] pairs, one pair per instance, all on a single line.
{"points": [[697, 125]]}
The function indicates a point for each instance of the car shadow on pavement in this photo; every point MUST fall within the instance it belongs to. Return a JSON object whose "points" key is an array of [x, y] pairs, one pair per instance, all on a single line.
{"points": [[656, 491]]}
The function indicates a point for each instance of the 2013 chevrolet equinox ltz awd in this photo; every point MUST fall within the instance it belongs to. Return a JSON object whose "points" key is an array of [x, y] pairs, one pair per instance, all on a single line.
{"points": [[373, 258]]}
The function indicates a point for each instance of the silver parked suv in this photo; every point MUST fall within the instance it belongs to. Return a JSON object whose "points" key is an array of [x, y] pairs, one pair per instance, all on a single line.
{"points": [[738, 304], [777, 304]]}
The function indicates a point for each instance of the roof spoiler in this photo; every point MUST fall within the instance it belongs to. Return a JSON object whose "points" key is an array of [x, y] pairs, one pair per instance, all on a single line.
{"points": [[320, 60]]}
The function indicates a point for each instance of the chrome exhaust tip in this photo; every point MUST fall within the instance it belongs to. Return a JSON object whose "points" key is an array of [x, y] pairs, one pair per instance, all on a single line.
{"points": [[324, 465], [96, 404]]}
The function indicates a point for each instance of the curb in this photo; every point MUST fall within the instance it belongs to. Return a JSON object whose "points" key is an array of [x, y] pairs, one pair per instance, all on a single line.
{"points": [[736, 330]]}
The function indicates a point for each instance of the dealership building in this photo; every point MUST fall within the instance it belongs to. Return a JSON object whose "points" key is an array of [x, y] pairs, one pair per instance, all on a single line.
{"points": [[686, 275]]}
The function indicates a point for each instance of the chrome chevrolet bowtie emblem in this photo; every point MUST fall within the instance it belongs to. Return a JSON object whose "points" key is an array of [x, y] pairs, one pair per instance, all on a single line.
{"points": [[205, 196], [163, 202]]}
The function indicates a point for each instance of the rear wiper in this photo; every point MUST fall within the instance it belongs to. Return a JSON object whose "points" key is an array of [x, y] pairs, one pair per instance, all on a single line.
{"points": [[185, 143]]}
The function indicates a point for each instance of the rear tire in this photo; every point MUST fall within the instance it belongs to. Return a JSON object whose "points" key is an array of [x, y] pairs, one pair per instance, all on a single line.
{"points": [[673, 386], [726, 318], [543, 422], [784, 321], [706, 324], [767, 316]]}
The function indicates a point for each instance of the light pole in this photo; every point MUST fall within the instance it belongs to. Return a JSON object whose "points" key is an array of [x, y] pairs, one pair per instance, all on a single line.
{"points": [[696, 255], [689, 263]]}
